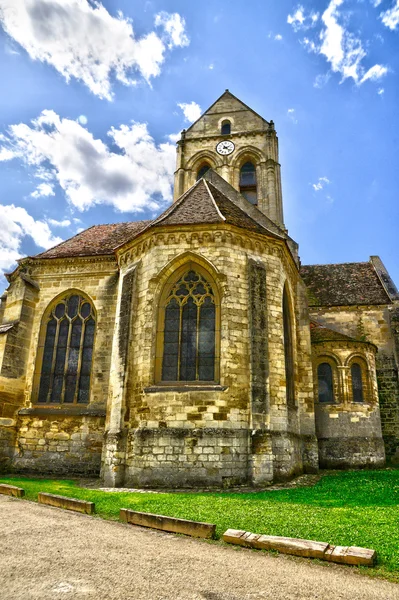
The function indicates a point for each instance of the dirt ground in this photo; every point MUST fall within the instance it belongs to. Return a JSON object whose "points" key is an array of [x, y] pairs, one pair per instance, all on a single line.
{"points": [[47, 553]]}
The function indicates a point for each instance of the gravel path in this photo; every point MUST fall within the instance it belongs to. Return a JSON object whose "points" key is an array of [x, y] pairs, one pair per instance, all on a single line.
{"points": [[48, 553]]}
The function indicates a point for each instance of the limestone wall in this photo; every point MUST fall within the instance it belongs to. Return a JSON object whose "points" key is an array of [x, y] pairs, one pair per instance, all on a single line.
{"points": [[377, 324], [349, 433], [152, 410], [34, 447]]}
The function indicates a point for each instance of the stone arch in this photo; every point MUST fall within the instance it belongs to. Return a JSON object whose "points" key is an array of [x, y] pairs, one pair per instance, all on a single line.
{"points": [[228, 118], [248, 154], [360, 359], [334, 361], [182, 259], [202, 157]]}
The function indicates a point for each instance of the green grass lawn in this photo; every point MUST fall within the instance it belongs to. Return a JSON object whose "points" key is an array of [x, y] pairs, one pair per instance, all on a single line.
{"points": [[356, 508]]}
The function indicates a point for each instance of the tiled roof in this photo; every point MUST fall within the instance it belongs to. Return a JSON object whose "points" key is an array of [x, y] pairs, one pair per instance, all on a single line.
{"points": [[210, 200], [343, 284], [97, 240], [204, 203], [319, 333]]}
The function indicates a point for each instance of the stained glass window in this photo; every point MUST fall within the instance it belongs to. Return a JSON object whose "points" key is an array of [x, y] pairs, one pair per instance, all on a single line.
{"points": [[288, 351], [67, 352], [248, 182], [325, 383], [189, 331], [357, 383]]}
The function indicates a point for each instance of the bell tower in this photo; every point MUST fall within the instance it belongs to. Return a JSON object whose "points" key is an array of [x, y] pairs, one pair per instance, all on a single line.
{"points": [[241, 147]]}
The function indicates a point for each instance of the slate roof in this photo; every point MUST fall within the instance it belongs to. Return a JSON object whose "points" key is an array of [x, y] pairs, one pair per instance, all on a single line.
{"points": [[319, 333], [204, 203], [210, 200], [96, 241], [343, 285]]}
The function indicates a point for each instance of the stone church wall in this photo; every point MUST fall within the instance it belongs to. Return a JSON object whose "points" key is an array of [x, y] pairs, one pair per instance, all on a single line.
{"points": [[189, 436], [376, 324], [58, 438]]}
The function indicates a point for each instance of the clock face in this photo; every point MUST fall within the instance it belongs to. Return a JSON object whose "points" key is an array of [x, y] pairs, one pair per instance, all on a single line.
{"points": [[225, 147]]}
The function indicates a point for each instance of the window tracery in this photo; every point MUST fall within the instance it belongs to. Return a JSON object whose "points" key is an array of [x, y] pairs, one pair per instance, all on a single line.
{"points": [[189, 337], [67, 353]]}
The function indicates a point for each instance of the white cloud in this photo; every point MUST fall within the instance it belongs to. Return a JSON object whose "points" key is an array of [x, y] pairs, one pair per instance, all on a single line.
{"points": [[374, 73], [174, 137], [390, 17], [42, 190], [15, 224], [380, 91], [299, 20], [320, 184], [342, 49], [291, 115], [174, 26], [138, 174], [191, 111], [81, 39], [321, 80], [376, 3], [278, 37], [82, 119], [211, 67], [55, 223]]}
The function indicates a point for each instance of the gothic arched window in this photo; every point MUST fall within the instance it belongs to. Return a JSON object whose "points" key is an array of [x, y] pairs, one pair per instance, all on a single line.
{"points": [[357, 383], [66, 354], [248, 182], [189, 323], [288, 350], [325, 382], [202, 171], [226, 128]]}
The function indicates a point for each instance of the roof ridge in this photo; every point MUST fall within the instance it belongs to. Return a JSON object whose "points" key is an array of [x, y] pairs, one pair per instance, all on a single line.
{"points": [[214, 201], [237, 206], [361, 262]]}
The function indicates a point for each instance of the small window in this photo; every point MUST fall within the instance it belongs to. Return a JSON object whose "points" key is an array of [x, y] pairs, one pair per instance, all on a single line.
{"points": [[67, 352], [325, 383], [226, 128], [248, 186], [202, 171], [357, 383]]}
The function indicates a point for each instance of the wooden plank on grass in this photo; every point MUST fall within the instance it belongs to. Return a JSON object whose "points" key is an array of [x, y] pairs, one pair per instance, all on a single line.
{"points": [[11, 490], [170, 524], [81, 506], [349, 555]]}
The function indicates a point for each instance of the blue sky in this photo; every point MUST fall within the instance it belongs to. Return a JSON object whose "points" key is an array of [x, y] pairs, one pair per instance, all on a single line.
{"points": [[93, 96]]}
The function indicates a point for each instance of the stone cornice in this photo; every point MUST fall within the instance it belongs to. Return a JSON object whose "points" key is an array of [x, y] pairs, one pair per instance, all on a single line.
{"points": [[265, 244]]}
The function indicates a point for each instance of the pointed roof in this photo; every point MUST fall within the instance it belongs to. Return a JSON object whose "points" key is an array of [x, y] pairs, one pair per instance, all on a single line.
{"points": [[204, 203], [210, 200], [227, 95]]}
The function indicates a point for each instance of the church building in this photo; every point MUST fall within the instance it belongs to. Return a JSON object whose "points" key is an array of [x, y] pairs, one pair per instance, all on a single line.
{"points": [[195, 350]]}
